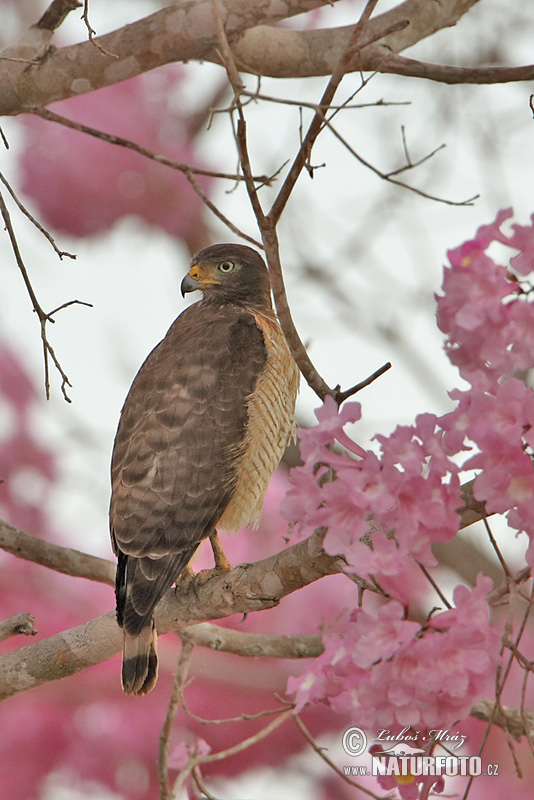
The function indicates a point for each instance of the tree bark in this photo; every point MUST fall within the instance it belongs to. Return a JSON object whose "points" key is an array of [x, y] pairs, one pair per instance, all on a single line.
{"points": [[186, 31]]}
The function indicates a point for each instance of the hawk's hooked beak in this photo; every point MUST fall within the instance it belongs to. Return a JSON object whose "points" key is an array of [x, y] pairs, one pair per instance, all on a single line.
{"points": [[198, 278], [189, 284]]}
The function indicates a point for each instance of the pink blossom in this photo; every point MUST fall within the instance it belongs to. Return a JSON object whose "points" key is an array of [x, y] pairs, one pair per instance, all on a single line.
{"points": [[488, 319], [331, 421], [182, 753], [383, 509], [395, 672], [83, 185]]}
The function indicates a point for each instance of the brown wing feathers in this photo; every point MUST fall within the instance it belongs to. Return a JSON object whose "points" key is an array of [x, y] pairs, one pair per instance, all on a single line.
{"points": [[172, 476]]}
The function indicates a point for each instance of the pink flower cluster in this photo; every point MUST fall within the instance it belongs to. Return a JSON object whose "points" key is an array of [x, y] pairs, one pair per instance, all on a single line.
{"points": [[487, 313], [379, 510], [382, 512], [83, 185], [484, 310], [401, 673]]}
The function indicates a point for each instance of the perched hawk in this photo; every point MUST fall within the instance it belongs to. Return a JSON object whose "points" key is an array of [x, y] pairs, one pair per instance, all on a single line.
{"points": [[203, 427]]}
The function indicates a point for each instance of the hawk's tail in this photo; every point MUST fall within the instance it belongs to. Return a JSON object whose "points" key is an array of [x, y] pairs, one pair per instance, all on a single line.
{"points": [[140, 660]]}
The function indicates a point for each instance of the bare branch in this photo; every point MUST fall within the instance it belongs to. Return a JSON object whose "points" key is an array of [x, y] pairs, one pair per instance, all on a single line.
{"points": [[54, 556], [257, 95], [350, 52], [389, 176], [48, 350], [513, 720], [92, 33], [342, 396], [177, 33], [321, 752], [254, 644], [444, 73], [61, 253], [184, 660], [180, 32], [267, 712], [187, 169], [56, 13], [16, 625], [218, 213], [247, 588], [246, 743]]}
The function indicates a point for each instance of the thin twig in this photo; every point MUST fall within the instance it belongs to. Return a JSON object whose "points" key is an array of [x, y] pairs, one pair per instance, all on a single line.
{"points": [[210, 758], [61, 253], [267, 223], [321, 752], [316, 107], [45, 113], [241, 718], [184, 661], [388, 176], [48, 350], [20, 60], [215, 210], [496, 548], [92, 33], [318, 119], [340, 396], [434, 585], [246, 743]]}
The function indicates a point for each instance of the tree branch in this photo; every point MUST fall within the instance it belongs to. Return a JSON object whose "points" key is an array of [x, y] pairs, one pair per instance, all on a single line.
{"points": [[515, 721], [444, 73], [186, 31], [56, 13], [253, 644], [16, 625], [183, 31], [247, 588], [54, 556]]}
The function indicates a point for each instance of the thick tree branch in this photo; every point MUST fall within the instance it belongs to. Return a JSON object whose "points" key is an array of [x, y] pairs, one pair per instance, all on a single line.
{"points": [[54, 556], [280, 53], [253, 644], [247, 588], [186, 31], [183, 31]]}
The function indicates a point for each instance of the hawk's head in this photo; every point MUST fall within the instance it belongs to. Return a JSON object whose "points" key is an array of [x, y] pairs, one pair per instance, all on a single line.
{"points": [[229, 273]]}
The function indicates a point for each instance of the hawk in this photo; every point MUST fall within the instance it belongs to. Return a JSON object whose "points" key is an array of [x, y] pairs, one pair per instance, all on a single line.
{"points": [[203, 427]]}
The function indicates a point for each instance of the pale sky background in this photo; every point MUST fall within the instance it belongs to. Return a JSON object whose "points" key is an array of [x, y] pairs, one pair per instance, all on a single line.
{"points": [[382, 249]]}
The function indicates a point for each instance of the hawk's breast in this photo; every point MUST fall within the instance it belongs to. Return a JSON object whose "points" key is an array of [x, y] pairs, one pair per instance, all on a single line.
{"points": [[270, 426]]}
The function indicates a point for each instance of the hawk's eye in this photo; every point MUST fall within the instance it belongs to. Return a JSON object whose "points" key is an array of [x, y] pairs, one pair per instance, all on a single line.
{"points": [[226, 266]]}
